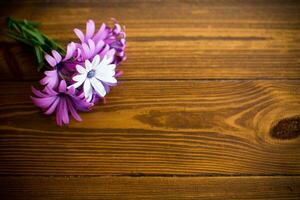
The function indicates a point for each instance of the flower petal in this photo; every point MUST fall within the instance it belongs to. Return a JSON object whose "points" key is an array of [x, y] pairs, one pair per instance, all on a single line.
{"points": [[51, 79], [88, 65], [44, 102], [79, 34], [86, 51], [62, 86], [87, 89], [96, 61], [64, 111], [92, 47], [110, 80], [80, 77], [37, 92], [101, 34], [52, 108], [58, 114], [80, 69], [50, 91], [70, 51], [56, 55], [99, 88], [50, 60], [99, 46], [90, 29], [73, 110]]}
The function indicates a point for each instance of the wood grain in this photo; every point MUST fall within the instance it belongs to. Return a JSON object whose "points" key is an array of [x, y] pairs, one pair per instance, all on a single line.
{"points": [[157, 188], [208, 106], [157, 127], [175, 39]]}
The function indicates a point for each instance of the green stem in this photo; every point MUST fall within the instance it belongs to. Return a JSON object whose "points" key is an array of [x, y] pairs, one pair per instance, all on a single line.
{"points": [[26, 32]]}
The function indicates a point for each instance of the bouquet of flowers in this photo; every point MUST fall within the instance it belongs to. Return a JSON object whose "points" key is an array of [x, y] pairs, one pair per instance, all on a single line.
{"points": [[77, 78]]}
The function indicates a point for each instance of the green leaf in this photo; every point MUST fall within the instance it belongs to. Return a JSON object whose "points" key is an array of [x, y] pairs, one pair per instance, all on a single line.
{"points": [[26, 32], [39, 56]]}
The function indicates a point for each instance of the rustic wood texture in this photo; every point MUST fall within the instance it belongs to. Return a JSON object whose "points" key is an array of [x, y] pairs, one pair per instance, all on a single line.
{"points": [[156, 127], [36, 188], [208, 106], [177, 39]]}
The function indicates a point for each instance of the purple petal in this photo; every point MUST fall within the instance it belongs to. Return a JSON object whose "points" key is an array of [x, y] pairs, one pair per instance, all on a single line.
{"points": [[99, 46], [119, 73], [62, 86], [44, 102], [90, 29], [92, 47], [52, 108], [86, 51], [104, 51], [64, 111], [101, 34], [72, 110], [71, 90], [70, 51], [78, 54], [79, 34], [51, 72], [56, 55], [80, 103], [117, 29], [50, 60], [58, 114], [51, 79], [37, 92], [49, 91]]}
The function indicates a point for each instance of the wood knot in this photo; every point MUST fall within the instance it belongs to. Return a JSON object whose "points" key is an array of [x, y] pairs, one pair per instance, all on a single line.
{"points": [[287, 128]]}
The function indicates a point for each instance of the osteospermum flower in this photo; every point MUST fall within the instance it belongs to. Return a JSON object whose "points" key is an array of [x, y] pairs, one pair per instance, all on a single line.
{"points": [[61, 101], [79, 76], [107, 41], [51, 78], [95, 76]]}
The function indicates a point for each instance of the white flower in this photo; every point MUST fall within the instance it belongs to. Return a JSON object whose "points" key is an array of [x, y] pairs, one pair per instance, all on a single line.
{"points": [[94, 75]]}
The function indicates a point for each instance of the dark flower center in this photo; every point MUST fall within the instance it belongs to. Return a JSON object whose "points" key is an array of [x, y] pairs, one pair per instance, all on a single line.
{"points": [[91, 74], [59, 66]]}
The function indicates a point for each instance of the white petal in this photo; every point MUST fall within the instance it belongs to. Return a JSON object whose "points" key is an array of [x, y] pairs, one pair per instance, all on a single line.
{"points": [[96, 61], [109, 60], [111, 66], [80, 77], [104, 61], [87, 89], [80, 69], [88, 65], [89, 98], [103, 72], [108, 79], [99, 88], [75, 85]]}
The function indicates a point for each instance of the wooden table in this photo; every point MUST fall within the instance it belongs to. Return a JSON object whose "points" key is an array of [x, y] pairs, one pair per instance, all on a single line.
{"points": [[208, 106]]}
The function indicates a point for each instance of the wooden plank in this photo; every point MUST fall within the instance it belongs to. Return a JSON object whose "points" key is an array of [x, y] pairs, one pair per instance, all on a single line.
{"points": [[158, 127], [150, 188], [175, 39]]}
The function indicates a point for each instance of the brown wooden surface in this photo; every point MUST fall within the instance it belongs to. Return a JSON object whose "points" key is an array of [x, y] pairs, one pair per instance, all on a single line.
{"points": [[151, 188], [208, 107]]}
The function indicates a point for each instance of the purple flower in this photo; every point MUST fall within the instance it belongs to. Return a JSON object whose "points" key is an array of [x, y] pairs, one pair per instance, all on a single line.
{"points": [[107, 41], [88, 69], [52, 76], [62, 101]]}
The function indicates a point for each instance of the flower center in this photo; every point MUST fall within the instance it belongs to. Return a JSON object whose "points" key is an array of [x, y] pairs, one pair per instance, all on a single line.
{"points": [[91, 74], [59, 66]]}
